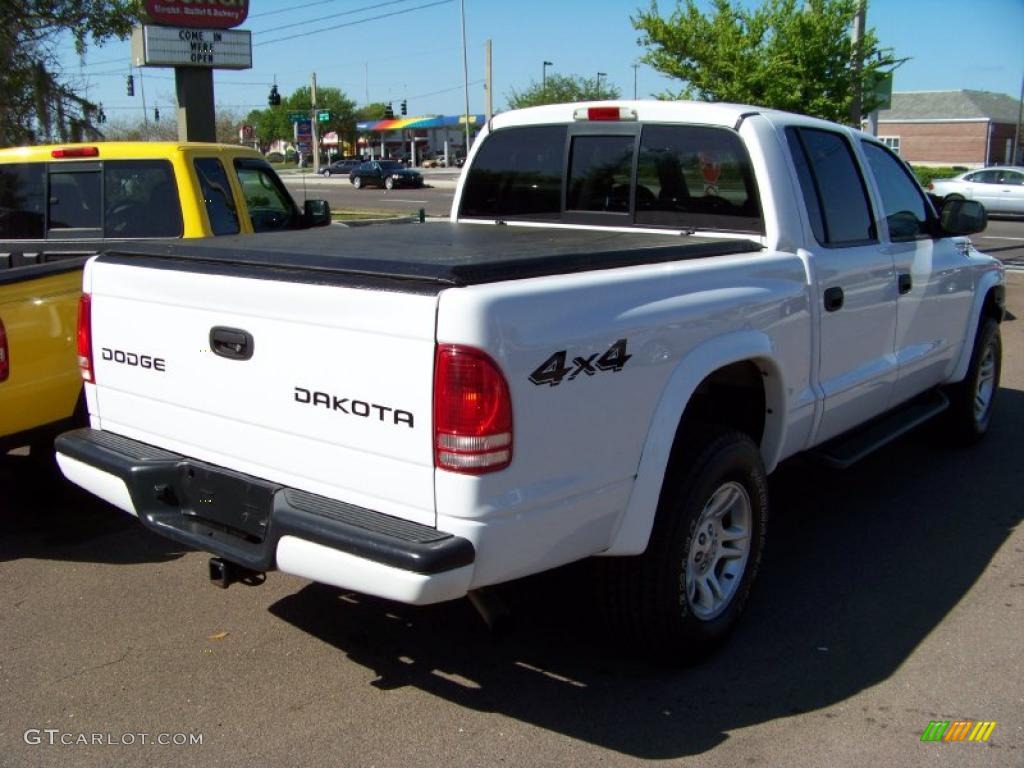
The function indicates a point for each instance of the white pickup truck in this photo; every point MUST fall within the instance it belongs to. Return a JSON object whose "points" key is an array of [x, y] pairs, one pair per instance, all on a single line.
{"points": [[636, 311]]}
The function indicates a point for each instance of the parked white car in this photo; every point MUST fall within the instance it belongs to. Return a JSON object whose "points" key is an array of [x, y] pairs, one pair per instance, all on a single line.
{"points": [[1000, 189]]}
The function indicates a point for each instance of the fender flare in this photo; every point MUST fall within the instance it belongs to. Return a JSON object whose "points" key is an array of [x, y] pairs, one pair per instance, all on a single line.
{"points": [[988, 281], [634, 526]]}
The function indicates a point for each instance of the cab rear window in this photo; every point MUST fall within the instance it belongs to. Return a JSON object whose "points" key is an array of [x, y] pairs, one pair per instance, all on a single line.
{"points": [[90, 199], [674, 176]]}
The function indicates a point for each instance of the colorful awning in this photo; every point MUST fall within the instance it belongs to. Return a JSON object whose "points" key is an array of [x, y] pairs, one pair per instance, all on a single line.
{"points": [[425, 121]]}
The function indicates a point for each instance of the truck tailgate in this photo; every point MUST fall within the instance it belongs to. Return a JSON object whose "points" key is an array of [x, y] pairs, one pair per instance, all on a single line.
{"points": [[311, 383]]}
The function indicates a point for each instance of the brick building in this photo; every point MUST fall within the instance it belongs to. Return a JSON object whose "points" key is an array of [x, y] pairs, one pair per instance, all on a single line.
{"points": [[969, 128]]}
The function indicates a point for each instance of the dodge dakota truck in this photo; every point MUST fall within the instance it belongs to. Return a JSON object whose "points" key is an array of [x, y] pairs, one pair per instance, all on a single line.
{"points": [[635, 312], [61, 203]]}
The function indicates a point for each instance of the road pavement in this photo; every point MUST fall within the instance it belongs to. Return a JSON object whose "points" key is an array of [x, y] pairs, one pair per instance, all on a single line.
{"points": [[892, 595]]}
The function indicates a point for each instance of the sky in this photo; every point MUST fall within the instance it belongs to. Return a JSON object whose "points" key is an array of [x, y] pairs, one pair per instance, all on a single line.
{"points": [[415, 52]]}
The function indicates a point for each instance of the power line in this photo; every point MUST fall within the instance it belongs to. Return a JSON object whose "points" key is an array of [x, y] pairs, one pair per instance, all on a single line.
{"points": [[342, 13], [352, 23], [290, 8]]}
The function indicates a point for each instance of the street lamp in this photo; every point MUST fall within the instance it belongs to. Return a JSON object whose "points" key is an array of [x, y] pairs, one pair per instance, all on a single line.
{"points": [[544, 77], [599, 76]]}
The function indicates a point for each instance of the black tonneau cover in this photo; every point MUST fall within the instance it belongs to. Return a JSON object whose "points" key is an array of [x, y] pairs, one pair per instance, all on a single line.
{"points": [[432, 254]]}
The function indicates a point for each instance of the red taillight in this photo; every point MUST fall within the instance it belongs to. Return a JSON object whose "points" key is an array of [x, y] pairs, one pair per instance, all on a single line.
{"points": [[85, 338], [5, 357], [604, 113], [472, 412], [75, 152]]}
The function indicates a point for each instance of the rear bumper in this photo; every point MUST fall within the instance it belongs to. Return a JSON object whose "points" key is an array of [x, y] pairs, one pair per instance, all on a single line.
{"points": [[262, 526]]}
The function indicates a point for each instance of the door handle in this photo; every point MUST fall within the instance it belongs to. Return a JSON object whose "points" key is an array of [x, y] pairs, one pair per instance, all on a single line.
{"points": [[833, 299], [232, 343], [905, 283]]}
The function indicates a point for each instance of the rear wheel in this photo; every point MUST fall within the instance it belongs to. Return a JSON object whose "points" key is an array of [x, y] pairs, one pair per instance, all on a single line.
{"points": [[389, 182], [972, 400], [327, 173], [681, 598], [357, 182]]}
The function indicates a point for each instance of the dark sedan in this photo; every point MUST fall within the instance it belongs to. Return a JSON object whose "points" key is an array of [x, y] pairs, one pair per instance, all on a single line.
{"points": [[339, 168], [385, 173]]}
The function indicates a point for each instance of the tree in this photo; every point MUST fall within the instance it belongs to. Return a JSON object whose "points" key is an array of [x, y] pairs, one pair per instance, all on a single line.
{"points": [[140, 129], [561, 89], [39, 102], [273, 123], [794, 55]]}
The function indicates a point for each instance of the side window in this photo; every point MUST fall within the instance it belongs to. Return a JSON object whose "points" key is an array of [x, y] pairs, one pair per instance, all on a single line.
{"points": [[75, 200], [832, 187], [22, 201], [696, 176], [140, 198], [1012, 177], [517, 172], [600, 168], [983, 177], [904, 205], [270, 206], [220, 205]]}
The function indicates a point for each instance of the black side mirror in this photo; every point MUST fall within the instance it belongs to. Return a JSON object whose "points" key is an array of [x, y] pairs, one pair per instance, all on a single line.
{"points": [[962, 217], [317, 213]]}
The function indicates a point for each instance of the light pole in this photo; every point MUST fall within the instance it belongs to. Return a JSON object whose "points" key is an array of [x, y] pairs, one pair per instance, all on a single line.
{"points": [[635, 68], [544, 77], [599, 76]]}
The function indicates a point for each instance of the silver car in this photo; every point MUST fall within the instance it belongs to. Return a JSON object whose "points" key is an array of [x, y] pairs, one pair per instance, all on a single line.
{"points": [[999, 189]]}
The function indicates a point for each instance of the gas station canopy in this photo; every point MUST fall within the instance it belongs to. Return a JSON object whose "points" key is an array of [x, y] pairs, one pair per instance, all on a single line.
{"points": [[425, 121]]}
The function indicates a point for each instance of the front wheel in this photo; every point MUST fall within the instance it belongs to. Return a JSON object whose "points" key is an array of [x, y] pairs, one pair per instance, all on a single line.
{"points": [[682, 597], [357, 182], [327, 173], [972, 400], [389, 182]]}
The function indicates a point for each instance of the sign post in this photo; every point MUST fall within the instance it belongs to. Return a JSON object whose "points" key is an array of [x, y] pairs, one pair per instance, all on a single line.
{"points": [[194, 38]]}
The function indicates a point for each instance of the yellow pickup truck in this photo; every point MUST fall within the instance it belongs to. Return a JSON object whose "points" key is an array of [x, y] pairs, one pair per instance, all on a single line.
{"points": [[60, 204]]}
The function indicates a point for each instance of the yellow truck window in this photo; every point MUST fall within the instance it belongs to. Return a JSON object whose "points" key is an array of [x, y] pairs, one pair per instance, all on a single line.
{"points": [[75, 200], [22, 201], [220, 204], [140, 199]]}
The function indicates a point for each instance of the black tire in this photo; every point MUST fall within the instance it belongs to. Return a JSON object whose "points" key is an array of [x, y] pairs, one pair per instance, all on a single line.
{"points": [[650, 595], [327, 173], [389, 182], [972, 400], [357, 182]]}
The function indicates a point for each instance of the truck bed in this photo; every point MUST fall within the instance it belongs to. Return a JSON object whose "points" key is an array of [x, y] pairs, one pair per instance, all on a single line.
{"points": [[432, 256]]}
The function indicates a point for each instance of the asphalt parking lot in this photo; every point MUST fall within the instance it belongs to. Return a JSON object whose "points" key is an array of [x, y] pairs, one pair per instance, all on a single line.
{"points": [[892, 595]]}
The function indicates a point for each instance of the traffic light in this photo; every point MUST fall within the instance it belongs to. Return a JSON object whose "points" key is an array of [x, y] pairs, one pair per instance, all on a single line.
{"points": [[156, 114], [404, 112], [389, 113], [130, 83], [274, 99]]}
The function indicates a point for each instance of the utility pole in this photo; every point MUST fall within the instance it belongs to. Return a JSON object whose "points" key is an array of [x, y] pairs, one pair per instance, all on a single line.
{"points": [[1017, 158], [489, 104], [635, 68], [599, 76], [544, 78], [858, 57], [465, 72], [314, 127]]}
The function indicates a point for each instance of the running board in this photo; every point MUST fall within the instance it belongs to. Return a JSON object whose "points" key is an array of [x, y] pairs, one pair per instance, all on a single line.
{"points": [[847, 449]]}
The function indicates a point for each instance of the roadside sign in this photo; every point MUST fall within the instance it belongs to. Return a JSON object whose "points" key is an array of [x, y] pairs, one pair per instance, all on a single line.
{"points": [[303, 130], [882, 89], [297, 116], [188, 13], [186, 47], [323, 117]]}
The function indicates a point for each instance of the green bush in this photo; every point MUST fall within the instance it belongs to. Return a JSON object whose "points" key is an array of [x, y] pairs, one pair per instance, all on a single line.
{"points": [[926, 175]]}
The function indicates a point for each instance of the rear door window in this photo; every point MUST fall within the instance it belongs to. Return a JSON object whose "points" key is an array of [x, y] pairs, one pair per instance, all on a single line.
{"points": [[220, 203], [832, 186], [22, 201]]}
